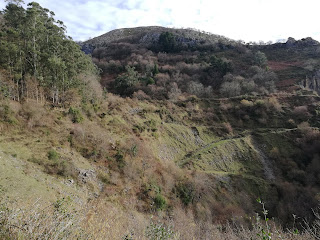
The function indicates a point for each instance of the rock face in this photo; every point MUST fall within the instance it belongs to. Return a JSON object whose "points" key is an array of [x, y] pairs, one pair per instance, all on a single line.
{"points": [[290, 42], [87, 175], [312, 82], [304, 42], [87, 48], [151, 37]]}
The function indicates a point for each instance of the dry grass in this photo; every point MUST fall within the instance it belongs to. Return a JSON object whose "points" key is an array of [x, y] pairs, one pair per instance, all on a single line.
{"points": [[108, 220], [118, 210], [37, 222]]}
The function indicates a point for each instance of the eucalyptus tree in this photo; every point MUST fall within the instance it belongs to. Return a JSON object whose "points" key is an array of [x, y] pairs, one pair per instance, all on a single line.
{"points": [[37, 52]]}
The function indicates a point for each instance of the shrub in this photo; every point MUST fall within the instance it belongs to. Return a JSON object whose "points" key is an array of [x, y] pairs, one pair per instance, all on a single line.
{"points": [[228, 128], [198, 89], [274, 104], [124, 83], [275, 153], [259, 102], [301, 111], [230, 89], [225, 106], [291, 123], [186, 192], [155, 69], [265, 80], [162, 79], [120, 158], [57, 165], [53, 155], [222, 66], [246, 103], [76, 116], [140, 95], [138, 129], [7, 115], [152, 125], [148, 80], [304, 127], [260, 59], [313, 229], [35, 160], [160, 202], [104, 177]]}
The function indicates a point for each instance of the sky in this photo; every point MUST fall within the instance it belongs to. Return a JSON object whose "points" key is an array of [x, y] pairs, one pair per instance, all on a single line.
{"points": [[247, 20]]}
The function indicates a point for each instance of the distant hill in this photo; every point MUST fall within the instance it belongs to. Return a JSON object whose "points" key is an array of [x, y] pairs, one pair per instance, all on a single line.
{"points": [[203, 60], [147, 35]]}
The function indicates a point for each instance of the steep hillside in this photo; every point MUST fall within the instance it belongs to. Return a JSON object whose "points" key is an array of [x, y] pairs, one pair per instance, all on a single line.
{"points": [[189, 136], [207, 158], [166, 63], [296, 62]]}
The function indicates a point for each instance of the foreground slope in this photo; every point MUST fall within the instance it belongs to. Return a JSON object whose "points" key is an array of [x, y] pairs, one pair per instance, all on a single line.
{"points": [[197, 157]]}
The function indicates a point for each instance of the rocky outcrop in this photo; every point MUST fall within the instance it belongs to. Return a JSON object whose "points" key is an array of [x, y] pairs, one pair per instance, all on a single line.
{"points": [[87, 175], [304, 42], [290, 42], [87, 48], [312, 82]]}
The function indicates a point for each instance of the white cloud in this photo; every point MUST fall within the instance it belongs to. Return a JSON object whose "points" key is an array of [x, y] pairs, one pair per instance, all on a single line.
{"points": [[249, 20]]}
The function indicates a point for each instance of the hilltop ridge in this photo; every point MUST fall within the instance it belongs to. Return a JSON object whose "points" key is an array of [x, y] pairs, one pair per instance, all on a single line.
{"points": [[149, 35]]}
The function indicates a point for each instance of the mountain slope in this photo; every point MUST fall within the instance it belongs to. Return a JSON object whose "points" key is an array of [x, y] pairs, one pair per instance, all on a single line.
{"points": [[145, 35], [136, 151], [187, 130]]}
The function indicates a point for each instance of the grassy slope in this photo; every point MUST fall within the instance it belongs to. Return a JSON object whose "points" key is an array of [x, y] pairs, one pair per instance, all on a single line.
{"points": [[138, 149]]}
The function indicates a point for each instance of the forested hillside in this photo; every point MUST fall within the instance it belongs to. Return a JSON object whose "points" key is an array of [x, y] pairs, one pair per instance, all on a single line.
{"points": [[166, 63], [155, 133], [38, 60]]}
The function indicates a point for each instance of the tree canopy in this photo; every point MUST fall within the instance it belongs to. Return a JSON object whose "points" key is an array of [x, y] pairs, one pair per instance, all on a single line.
{"points": [[167, 42], [37, 57]]}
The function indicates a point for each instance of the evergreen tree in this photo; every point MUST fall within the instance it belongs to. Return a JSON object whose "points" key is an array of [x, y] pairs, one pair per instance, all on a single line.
{"points": [[167, 42], [36, 51], [125, 82]]}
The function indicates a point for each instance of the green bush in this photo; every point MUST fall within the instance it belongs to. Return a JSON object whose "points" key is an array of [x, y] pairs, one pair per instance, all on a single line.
{"points": [[53, 155], [151, 123], [155, 69], [260, 59], [260, 103], [124, 83], [103, 177], [149, 80], [120, 158], [76, 115], [7, 115], [160, 202], [138, 128], [186, 192], [60, 167]]}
